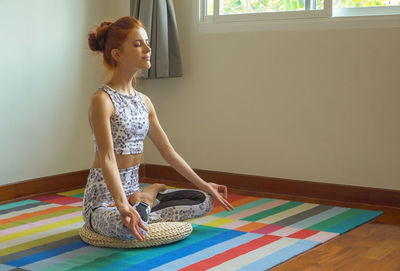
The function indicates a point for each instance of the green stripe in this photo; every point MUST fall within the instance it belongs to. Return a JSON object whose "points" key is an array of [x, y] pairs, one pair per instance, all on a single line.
{"points": [[330, 222], [200, 232], [80, 195], [17, 204], [71, 263], [96, 261], [243, 207], [272, 211], [38, 218]]}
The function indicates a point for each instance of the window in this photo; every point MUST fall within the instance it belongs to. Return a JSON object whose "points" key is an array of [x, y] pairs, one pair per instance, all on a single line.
{"points": [[252, 10]]}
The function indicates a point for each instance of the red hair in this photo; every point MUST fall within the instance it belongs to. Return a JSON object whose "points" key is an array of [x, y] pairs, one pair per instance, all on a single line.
{"points": [[110, 35]]}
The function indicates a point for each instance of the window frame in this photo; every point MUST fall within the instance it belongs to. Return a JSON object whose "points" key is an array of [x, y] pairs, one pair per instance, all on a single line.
{"points": [[369, 17]]}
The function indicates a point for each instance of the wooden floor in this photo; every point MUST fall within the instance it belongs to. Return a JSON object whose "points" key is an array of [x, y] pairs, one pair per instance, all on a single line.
{"points": [[371, 246]]}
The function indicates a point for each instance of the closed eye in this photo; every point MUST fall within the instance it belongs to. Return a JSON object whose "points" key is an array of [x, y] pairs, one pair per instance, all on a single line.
{"points": [[139, 43]]}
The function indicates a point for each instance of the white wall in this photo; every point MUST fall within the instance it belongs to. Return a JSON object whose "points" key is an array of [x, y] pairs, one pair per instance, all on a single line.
{"points": [[318, 105], [47, 75]]}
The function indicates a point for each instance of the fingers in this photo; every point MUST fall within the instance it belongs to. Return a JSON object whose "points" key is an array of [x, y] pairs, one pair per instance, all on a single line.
{"points": [[133, 221], [142, 225], [223, 199], [225, 191], [138, 233], [134, 226], [226, 204]]}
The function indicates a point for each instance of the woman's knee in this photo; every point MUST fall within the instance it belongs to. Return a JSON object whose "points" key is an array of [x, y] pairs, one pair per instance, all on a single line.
{"points": [[180, 205]]}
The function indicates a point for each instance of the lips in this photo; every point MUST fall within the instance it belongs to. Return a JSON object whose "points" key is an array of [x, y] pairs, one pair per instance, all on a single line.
{"points": [[146, 57]]}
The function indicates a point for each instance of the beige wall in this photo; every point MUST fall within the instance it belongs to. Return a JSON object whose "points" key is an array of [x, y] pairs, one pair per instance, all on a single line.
{"points": [[309, 105], [320, 105], [47, 75]]}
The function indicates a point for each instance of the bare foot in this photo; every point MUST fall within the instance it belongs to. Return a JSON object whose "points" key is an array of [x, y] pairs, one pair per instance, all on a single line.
{"points": [[148, 194]]}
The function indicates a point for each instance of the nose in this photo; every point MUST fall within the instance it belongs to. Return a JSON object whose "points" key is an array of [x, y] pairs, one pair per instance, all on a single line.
{"points": [[147, 48]]}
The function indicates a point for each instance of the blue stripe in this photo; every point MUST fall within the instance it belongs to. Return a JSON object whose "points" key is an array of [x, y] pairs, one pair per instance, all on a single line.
{"points": [[200, 233], [46, 254], [354, 222], [181, 252], [280, 256], [17, 204], [209, 252]]}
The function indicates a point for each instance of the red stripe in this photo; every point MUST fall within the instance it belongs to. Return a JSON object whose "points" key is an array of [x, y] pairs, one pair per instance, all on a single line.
{"points": [[268, 229], [47, 197], [64, 200], [303, 234], [232, 253], [33, 214]]}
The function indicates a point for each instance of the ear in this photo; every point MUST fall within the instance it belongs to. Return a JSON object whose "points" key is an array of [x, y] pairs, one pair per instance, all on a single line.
{"points": [[115, 54]]}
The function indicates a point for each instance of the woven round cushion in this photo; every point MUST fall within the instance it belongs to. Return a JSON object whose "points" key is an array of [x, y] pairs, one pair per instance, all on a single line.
{"points": [[158, 234]]}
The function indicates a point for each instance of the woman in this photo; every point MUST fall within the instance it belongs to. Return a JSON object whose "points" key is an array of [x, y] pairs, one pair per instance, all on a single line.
{"points": [[120, 118]]}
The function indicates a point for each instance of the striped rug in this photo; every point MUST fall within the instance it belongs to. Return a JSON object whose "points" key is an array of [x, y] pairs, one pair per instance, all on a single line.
{"points": [[42, 234]]}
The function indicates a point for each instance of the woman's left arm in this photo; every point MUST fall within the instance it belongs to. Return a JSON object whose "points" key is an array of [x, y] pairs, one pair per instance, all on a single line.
{"points": [[161, 141]]}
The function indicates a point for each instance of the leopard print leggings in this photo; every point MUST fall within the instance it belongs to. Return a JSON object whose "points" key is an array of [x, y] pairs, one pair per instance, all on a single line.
{"points": [[170, 205]]}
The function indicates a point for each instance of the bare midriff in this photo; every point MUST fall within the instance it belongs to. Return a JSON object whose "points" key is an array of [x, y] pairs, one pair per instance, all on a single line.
{"points": [[123, 161]]}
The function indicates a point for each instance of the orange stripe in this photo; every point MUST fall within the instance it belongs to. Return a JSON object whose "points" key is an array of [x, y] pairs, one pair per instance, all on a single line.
{"points": [[251, 227], [28, 215], [236, 203]]}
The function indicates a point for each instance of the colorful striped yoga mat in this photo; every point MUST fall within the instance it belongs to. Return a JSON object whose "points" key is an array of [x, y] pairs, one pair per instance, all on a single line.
{"points": [[42, 234]]}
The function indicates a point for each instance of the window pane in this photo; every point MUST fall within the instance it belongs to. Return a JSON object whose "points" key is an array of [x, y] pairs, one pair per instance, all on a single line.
{"points": [[320, 4], [210, 7], [364, 3], [259, 6]]}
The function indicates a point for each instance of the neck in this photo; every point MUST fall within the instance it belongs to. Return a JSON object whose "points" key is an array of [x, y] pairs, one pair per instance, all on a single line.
{"points": [[122, 81]]}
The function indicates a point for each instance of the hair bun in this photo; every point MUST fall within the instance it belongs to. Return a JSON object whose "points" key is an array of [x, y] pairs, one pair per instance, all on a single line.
{"points": [[93, 43], [106, 23], [97, 39]]}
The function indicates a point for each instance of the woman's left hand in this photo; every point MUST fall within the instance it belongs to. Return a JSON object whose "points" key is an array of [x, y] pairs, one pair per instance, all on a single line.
{"points": [[220, 193]]}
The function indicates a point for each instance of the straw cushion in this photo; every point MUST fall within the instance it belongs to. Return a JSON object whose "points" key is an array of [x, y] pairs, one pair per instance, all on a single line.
{"points": [[158, 234]]}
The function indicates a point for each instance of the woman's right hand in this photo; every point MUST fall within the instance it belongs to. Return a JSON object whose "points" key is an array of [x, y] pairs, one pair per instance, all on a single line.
{"points": [[131, 218]]}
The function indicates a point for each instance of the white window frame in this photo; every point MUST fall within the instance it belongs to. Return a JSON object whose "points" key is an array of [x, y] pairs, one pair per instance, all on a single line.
{"points": [[370, 17]]}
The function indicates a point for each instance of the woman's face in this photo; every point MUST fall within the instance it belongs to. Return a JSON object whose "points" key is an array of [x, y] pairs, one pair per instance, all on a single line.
{"points": [[135, 52]]}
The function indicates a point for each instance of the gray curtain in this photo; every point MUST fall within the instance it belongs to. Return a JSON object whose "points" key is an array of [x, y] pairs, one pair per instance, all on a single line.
{"points": [[158, 17]]}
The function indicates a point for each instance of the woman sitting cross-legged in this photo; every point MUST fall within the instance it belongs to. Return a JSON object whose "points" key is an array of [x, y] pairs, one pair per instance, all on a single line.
{"points": [[120, 118]]}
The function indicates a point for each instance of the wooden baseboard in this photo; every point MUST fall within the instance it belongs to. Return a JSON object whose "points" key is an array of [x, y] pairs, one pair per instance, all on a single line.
{"points": [[46, 185], [317, 190], [337, 192]]}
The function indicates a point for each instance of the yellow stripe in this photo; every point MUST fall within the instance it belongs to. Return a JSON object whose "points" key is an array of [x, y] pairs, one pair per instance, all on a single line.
{"points": [[219, 222], [38, 242], [291, 212], [20, 234], [72, 192]]}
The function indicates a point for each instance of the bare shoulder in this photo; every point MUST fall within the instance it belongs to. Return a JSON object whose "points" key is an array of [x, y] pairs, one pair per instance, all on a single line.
{"points": [[101, 102], [148, 102]]}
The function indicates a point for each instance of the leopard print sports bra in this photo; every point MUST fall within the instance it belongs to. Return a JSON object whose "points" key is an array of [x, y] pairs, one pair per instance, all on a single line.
{"points": [[130, 123]]}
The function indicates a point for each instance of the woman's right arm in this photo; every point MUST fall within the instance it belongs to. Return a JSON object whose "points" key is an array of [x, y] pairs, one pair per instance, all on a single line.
{"points": [[100, 111]]}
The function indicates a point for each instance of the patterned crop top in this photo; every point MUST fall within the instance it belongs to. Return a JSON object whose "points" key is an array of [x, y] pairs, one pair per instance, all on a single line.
{"points": [[129, 124]]}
